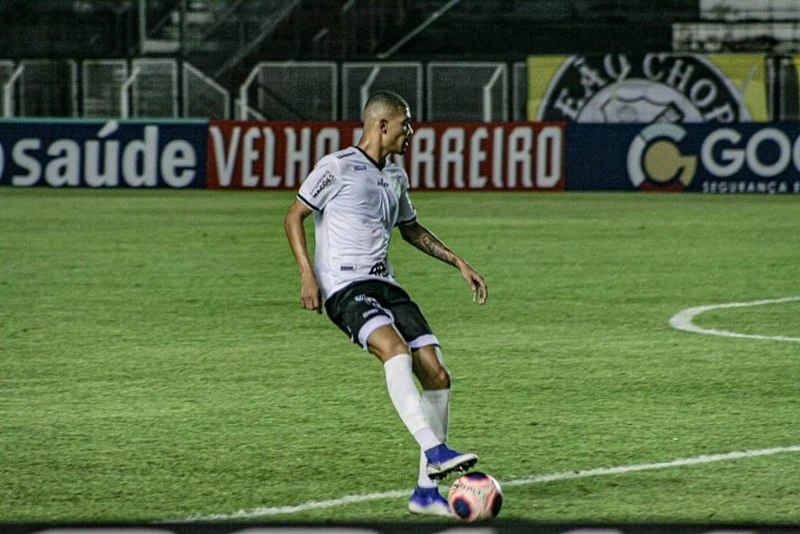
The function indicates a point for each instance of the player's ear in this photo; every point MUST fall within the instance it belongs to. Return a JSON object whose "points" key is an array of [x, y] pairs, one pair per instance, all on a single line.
{"points": [[384, 124]]}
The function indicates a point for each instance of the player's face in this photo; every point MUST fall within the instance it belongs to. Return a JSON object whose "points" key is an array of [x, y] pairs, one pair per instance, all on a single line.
{"points": [[400, 131]]}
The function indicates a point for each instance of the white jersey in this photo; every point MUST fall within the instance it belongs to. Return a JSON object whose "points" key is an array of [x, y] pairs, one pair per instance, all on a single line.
{"points": [[356, 205]]}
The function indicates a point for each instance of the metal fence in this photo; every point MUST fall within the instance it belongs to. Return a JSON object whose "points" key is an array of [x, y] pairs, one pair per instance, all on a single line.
{"points": [[359, 80], [467, 92], [44, 88], [203, 96], [101, 87], [147, 88], [7, 77], [436, 91], [455, 91], [110, 88]]}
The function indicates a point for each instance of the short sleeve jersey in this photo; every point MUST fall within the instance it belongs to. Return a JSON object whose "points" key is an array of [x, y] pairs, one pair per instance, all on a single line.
{"points": [[356, 206]]}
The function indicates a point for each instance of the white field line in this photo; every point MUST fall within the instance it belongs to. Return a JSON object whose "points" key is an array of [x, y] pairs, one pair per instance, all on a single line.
{"points": [[535, 479], [683, 319]]}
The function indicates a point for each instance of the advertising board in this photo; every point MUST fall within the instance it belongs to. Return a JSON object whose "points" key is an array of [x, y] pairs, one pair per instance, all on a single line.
{"points": [[707, 158], [642, 88], [442, 156], [103, 153]]}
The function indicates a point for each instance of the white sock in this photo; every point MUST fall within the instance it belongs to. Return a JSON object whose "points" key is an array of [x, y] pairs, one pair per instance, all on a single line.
{"points": [[407, 400], [436, 404]]}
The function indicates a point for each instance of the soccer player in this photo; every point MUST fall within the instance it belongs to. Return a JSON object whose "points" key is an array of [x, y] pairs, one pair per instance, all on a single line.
{"points": [[357, 197]]}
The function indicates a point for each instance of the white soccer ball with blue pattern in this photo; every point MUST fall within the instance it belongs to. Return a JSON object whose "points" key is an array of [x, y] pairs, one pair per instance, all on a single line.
{"points": [[475, 497]]}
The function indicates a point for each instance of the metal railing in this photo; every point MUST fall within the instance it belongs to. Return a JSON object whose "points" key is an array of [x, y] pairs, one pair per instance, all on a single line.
{"points": [[454, 91], [147, 87]]}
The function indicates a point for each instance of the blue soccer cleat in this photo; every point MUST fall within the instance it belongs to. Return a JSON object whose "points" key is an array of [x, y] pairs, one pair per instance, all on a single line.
{"points": [[443, 461], [428, 501]]}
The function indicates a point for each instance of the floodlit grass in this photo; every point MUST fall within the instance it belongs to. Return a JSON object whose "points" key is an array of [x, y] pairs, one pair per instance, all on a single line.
{"points": [[155, 362]]}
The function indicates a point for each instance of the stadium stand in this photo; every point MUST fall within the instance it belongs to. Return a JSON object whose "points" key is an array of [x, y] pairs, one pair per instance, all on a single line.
{"points": [[741, 25], [54, 47], [496, 29], [217, 36], [80, 28]]}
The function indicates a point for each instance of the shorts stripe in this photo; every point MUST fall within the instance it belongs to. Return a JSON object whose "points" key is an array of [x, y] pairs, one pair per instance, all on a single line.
{"points": [[423, 341], [370, 326]]}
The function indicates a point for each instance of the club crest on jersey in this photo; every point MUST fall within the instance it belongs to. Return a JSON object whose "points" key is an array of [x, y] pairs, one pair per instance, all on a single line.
{"points": [[397, 181], [379, 269], [617, 88]]}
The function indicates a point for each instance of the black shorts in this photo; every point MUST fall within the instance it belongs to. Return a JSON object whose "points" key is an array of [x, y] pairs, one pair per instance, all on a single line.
{"points": [[364, 306]]}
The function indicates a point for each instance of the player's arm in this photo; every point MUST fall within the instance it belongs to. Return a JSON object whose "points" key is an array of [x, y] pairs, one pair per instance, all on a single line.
{"points": [[424, 240], [310, 296]]}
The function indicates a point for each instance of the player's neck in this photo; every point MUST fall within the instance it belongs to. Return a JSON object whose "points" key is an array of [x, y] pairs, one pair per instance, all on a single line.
{"points": [[373, 153]]}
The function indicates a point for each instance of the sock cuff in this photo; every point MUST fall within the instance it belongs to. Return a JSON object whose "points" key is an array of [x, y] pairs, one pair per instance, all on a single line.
{"points": [[436, 394], [398, 361]]}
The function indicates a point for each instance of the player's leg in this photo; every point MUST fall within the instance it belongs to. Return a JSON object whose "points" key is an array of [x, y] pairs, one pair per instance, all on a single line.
{"points": [[360, 310], [435, 381], [390, 348], [428, 366], [365, 311], [386, 343]]}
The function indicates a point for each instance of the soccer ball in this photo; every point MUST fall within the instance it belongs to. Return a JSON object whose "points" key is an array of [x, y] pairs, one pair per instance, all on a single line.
{"points": [[475, 497]]}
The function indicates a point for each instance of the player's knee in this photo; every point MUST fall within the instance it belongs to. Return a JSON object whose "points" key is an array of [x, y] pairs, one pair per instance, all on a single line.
{"points": [[398, 348], [441, 379], [436, 378], [388, 350], [386, 342]]}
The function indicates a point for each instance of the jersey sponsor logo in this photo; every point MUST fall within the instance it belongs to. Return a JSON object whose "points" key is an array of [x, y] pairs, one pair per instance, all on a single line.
{"points": [[360, 167], [347, 267], [326, 181], [366, 299], [382, 182]]}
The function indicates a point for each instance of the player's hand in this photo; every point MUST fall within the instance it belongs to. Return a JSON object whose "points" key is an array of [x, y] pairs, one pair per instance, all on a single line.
{"points": [[476, 283], [310, 294]]}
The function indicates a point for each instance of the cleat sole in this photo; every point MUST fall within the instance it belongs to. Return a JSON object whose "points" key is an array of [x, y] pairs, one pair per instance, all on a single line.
{"points": [[440, 472]]}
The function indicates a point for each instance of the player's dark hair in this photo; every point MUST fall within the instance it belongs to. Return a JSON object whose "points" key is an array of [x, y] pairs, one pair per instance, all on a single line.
{"points": [[386, 98]]}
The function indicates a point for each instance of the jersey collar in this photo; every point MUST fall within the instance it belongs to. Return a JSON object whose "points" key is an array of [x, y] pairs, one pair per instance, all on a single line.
{"points": [[380, 165]]}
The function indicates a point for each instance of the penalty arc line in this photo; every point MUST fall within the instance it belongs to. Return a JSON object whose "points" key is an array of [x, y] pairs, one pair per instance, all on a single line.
{"points": [[683, 319], [536, 479]]}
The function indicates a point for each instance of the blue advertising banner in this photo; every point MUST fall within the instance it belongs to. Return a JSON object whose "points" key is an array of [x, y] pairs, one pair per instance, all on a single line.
{"points": [[708, 158], [103, 153]]}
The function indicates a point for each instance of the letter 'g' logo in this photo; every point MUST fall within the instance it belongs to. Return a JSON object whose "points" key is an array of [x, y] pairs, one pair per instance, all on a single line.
{"points": [[654, 158]]}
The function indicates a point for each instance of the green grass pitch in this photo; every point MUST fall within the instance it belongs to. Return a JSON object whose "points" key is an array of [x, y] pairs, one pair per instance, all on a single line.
{"points": [[155, 362]]}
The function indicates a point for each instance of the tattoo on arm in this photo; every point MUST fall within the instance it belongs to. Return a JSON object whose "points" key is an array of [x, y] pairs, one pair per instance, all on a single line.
{"points": [[424, 240]]}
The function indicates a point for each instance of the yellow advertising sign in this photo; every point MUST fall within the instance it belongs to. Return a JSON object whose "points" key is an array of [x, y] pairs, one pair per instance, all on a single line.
{"points": [[747, 73], [666, 87]]}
